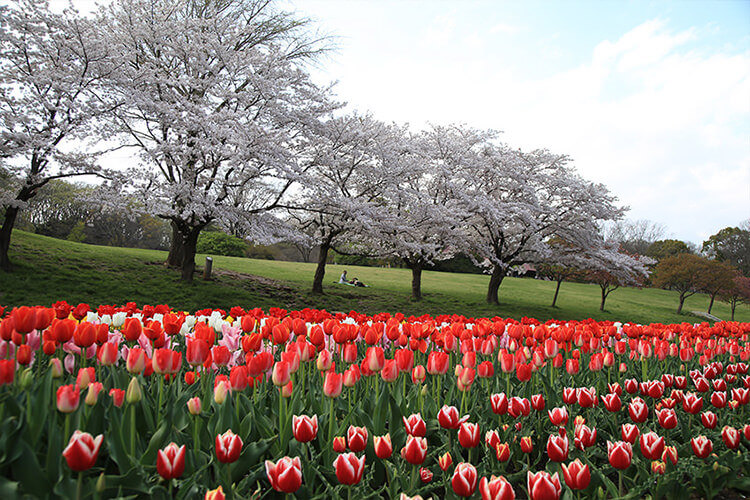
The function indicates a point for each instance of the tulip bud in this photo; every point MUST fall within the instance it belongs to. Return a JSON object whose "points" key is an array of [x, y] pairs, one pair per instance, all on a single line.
{"points": [[194, 405], [26, 378], [221, 390], [56, 366], [133, 395], [286, 391], [101, 483]]}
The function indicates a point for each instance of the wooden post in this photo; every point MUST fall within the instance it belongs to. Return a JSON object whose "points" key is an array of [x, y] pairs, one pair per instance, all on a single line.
{"points": [[207, 268]]}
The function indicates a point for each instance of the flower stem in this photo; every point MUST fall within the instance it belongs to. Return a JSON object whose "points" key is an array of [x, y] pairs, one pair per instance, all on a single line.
{"points": [[79, 487], [132, 429]]}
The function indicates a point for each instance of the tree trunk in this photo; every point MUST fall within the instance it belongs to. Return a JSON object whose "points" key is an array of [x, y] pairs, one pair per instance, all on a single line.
{"points": [[416, 281], [604, 298], [495, 280], [711, 303], [733, 305], [682, 301], [176, 248], [320, 270], [557, 290], [189, 244], [10, 219]]}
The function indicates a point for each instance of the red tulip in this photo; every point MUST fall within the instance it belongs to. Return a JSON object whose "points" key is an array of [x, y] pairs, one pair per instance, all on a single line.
{"points": [[217, 494], [731, 437], [285, 475], [692, 403], [415, 450], [496, 488], [418, 374], [464, 480], [652, 445], [281, 373], [415, 425], [670, 454], [333, 384], [448, 417], [569, 395], [131, 329], [709, 419], [612, 402], [304, 428], [383, 446], [107, 354], [339, 444], [719, 399], [558, 416], [586, 397], [7, 371], [527, 446], [425, 475], [523, 372], [68, 398], [437, 363], [228, 447], [537, 402], [572, 366], [630, 433], [585, 437], [170, 462], [349, 468], [445, 461], [502, 452], [667, 418], [118, 396], [356, 437], [499, 403], [468, 435], [638, 410], [389, 372], [404, 359], [519, 406], [702, 446], [23, 354], [620, 454], [542, 486], [577, 475], [658, 467], [557, 448], [25, 319], [197, 352], [136, 361], [84, 334], [82, 450]]}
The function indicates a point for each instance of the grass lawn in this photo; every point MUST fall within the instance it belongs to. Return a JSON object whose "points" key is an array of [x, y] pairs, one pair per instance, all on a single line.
{"points": [[47, 270]]}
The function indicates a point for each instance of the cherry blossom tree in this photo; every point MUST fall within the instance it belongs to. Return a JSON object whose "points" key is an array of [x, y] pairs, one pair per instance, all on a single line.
{"points": [[426, 207], [51, 70], [216, 97], [521, 199], [353, 162], [610, 268]]}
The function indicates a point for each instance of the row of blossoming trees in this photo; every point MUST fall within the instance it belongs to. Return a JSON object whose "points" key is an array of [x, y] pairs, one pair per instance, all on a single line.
{"points": [[123, 402], [231, 131]]}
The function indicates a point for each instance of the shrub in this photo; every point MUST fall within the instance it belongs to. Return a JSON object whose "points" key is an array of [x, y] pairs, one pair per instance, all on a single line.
{"points": [[218, 243]]}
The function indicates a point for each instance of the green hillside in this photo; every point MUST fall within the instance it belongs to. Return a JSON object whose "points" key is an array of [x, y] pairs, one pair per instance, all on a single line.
{"points": [[48, 270]]}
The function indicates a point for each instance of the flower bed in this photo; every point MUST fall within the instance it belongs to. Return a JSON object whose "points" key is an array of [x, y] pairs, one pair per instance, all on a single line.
{"points": [[156, 403]]}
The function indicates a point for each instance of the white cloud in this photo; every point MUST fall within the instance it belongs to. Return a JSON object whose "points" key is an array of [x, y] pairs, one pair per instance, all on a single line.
{"points": [[508, 29]]}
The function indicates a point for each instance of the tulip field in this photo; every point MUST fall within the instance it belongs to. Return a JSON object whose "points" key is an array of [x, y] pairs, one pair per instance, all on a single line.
{"points": [[128, 402]]}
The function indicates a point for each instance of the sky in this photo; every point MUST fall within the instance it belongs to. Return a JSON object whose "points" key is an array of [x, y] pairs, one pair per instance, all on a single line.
{"points": [[650, 98]]}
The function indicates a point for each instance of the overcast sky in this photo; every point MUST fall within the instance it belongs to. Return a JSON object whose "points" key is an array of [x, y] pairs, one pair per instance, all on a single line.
{"points": [[650, 98]]}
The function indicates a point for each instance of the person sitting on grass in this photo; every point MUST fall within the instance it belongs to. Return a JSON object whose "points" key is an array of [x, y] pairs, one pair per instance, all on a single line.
{"points": [[343, 279]]}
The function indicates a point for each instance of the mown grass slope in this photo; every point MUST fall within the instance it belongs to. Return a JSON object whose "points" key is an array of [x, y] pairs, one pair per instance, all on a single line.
{"points": [[48, 270]]}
